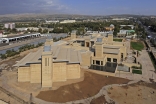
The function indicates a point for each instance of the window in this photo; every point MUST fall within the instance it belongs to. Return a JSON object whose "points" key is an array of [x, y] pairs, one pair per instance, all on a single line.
{"points": [[101, 62], [48, 61], [93, 62], [87, 44], [97, 62], [45, 61], [121, 55], [114, 60], [109, 59]]}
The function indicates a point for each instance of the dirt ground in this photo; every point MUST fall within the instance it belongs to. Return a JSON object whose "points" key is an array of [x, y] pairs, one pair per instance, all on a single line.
{"points": [[90, 86], [100, 100], [7, 99], [140, 93], [11, 61]]}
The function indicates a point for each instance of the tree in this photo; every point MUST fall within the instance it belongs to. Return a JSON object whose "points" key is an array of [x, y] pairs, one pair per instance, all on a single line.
{"points": [[45, 31], [40, 30]]}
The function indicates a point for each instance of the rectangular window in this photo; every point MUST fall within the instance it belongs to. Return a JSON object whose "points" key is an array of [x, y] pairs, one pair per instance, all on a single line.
{"points": [[115, 60], [121, 55], [93, 62], [45, 61], [97, 62], [101, 62], [108, 59], [48, 61]]}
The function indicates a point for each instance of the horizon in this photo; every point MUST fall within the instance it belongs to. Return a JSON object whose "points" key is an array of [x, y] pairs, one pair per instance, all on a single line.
{"points": [[81, 7]]}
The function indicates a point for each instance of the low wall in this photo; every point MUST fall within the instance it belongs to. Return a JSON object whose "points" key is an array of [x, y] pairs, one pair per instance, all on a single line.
{"points": [[100, 72], [131, 64]]}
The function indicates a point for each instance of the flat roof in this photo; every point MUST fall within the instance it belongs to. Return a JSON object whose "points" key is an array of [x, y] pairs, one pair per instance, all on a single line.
{"points": [[33, 57]]}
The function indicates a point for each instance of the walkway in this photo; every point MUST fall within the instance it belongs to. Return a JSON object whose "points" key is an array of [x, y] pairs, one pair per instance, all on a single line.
{"points": [[148, 70]]}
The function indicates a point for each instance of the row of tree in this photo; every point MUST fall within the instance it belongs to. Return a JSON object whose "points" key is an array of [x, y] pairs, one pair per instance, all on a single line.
{"points": [[10, 53]]}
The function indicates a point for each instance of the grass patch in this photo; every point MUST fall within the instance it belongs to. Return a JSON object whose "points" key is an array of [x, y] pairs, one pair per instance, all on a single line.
{"points": [[152, 59], [137, 46], [117, 40], [137, 71]]}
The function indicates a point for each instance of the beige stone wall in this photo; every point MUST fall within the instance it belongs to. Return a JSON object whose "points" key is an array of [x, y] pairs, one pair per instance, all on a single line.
{"points": [[99, 50], [124, 51], [47, 70], [35, 76], [59, 72], [87, 42], [110, 38], [118, 57], [73, 36], [23, 74], [73, 71], [131, 64], [86, 59]]}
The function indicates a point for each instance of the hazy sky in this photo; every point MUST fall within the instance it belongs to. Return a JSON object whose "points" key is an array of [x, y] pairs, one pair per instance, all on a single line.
{"points": [[88, 7]]}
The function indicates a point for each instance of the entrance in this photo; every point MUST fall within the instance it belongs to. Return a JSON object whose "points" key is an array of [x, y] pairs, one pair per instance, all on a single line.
{"points": [[87, 44]]}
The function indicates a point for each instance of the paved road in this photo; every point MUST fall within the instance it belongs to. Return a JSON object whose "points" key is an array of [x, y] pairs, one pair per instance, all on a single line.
{"points": [[148, 70]]}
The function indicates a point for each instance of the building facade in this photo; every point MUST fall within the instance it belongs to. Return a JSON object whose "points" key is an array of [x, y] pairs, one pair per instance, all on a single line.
{"points": [[9, 25]]}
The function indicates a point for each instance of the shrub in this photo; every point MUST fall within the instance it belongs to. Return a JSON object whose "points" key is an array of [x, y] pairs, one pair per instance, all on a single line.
{"points": [[137, 71]]}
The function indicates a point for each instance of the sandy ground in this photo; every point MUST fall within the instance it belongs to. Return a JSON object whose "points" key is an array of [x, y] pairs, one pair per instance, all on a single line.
{"points": [[90, 86], [140, 93]]}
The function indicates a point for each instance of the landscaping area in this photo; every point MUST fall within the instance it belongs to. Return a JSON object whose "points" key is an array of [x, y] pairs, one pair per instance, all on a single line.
{"points": [[10, 53], [117, 40], [89, 87], [136, 71], [137, 45]]}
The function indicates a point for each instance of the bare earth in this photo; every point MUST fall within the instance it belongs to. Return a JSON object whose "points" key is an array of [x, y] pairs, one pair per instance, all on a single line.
{"points": [[90, 86], [140, 93]]}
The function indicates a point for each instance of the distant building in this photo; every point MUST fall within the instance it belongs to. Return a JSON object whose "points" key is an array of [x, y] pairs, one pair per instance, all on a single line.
{"points": [[1, 34], [110, 28], [9, 25], [124, 33], [120, 19], [132, 26], [68, 21], [53, 21], [33, 28], [21, 29]]}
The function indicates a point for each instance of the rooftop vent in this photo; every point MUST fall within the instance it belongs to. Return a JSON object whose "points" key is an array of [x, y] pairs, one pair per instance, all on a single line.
{"points": [[47, 48], [99, 39]]}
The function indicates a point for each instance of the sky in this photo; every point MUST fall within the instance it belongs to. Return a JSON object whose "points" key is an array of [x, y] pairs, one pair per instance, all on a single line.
{"points": [[83, 7]]}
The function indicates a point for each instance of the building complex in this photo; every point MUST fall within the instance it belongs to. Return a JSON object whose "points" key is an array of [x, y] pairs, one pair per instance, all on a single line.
{"points": [[62, 60]]}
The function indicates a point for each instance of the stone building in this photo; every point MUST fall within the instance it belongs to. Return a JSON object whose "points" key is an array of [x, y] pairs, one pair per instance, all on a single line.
{"points": [[62, 60]]}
